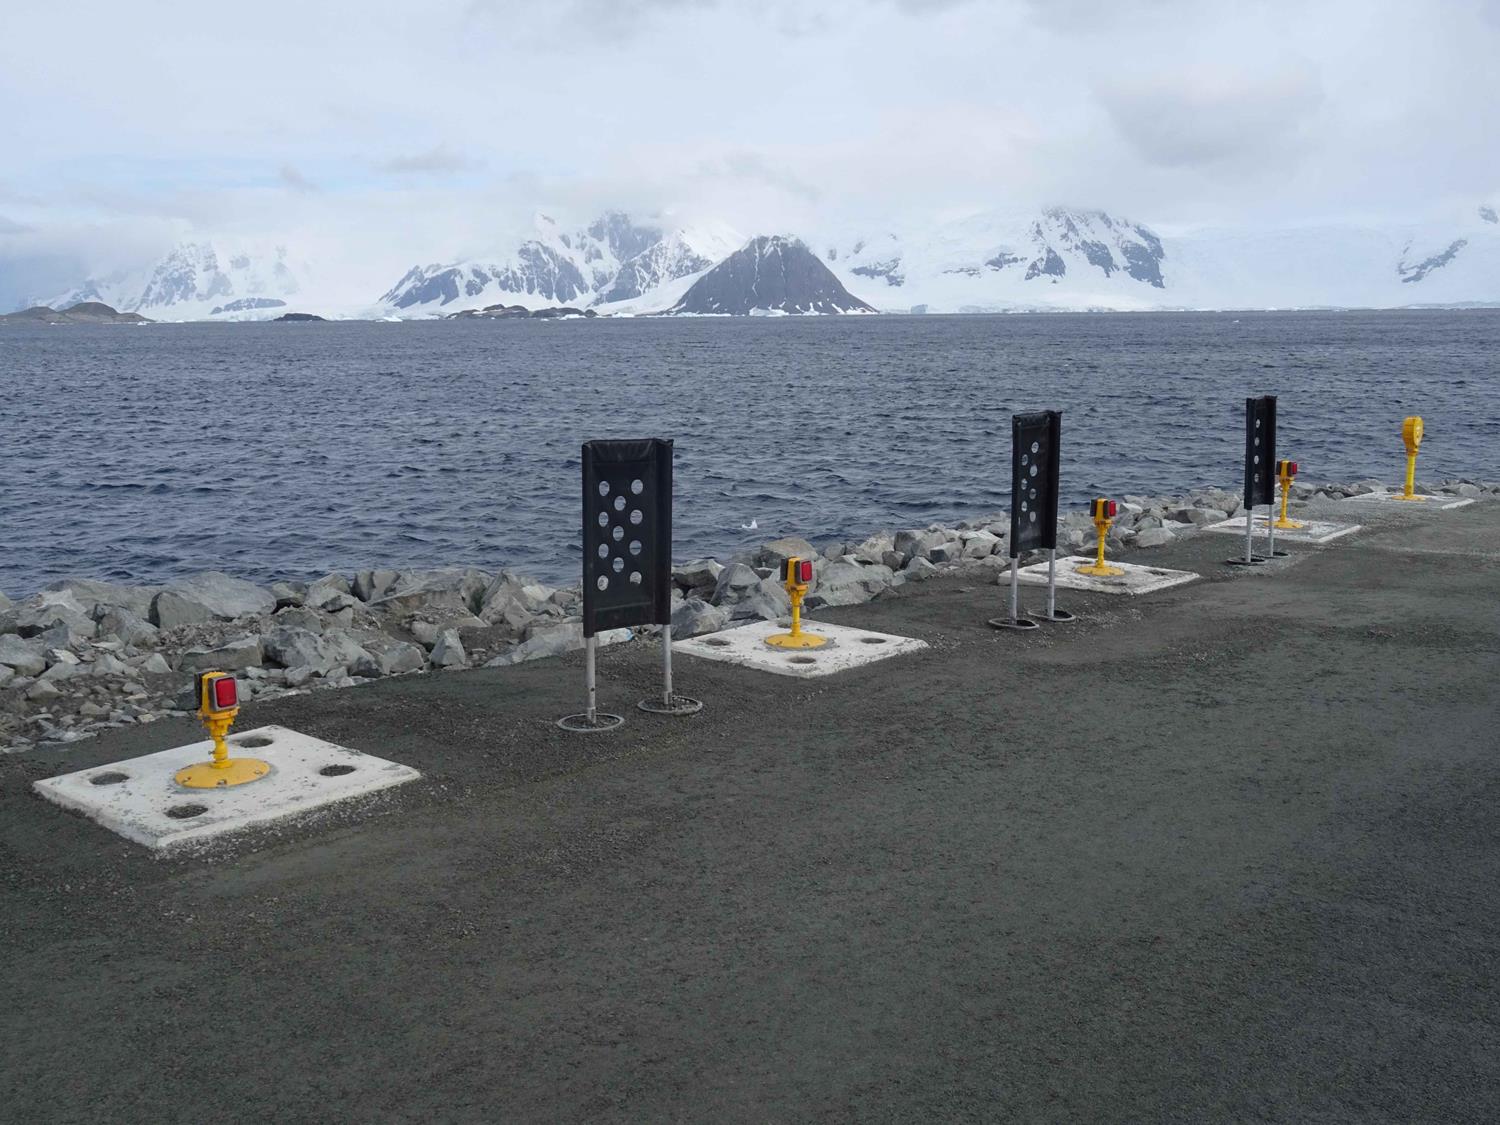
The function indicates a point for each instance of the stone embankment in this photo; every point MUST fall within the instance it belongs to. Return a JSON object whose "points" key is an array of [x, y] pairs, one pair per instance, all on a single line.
{"points": [[83, 655]]}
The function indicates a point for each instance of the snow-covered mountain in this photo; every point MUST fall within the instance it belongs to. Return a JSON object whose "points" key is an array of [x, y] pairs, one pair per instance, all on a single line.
{"points": [[612, 261], [1086, 259], [1058, 258], [769, 274], [200, 280]]}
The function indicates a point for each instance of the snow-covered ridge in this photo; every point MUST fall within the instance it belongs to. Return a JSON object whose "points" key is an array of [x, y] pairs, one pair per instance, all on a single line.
{"points": [[612, 260], [1055, 259]]}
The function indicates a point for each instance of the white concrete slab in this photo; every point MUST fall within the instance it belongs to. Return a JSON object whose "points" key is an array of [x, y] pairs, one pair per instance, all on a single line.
{"points": [[1137, 579], [1311, 531], [147, 805], [1430, 504], [746, 646]]}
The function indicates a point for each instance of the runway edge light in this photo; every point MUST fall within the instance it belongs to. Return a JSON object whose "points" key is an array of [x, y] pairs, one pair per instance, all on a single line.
{"points": [[218, 707]]}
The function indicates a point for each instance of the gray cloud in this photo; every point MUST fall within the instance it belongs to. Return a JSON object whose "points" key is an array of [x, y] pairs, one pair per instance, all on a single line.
{"points": [[438, 160], [295, 180], [1197, 117]]}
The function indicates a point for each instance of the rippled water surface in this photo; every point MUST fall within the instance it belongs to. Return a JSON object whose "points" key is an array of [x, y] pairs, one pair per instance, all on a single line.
{"points": [[291, 450]]}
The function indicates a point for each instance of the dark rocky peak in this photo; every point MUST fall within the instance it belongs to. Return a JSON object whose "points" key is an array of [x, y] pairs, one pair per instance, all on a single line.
{"points": [[770, 273]]}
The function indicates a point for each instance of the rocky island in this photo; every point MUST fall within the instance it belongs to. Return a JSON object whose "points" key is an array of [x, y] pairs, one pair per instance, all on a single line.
{"points": [[85, 312]]}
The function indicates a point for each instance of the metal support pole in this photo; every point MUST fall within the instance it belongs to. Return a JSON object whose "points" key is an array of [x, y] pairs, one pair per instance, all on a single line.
{"points": [[1051, 583], [588, 677], [1249, 535], [1271, 530], [1015, 589], [666, 664]]}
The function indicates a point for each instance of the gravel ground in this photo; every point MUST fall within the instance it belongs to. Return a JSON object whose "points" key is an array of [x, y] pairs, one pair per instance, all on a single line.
{"points": [[1225, 853]]}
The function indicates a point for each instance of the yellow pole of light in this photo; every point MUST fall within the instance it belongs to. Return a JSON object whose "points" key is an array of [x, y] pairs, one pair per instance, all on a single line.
{"points": [[1411, 437], [796, 574], [1287, 471], [1103, 513]]}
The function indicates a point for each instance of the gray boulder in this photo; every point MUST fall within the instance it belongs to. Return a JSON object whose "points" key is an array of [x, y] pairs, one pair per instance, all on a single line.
{"points": [[233, 656], [293, 647], [128, 626], [288, 594], [735, 583], [95, 597], [388, 657], [108, 665], [1198, 517], [45, 611], [23, 657], [172, 611], [694, 617], [219, 595], [874, 549], [701, 575], [848, 583], [1153, 537], [448, 652], [767, 600], [555, 640], [155, 664], [372, 584], [918, 569], [444, 594]]}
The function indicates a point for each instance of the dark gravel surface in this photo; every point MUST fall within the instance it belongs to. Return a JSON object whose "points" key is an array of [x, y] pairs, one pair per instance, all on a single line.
{"points": [[1226, 853]]}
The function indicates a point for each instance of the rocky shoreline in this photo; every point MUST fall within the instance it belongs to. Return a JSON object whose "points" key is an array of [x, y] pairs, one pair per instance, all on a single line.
{"points": [[83, 655]]}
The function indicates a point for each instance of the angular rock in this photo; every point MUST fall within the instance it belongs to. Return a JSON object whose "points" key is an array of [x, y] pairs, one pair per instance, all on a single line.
{"points": [[1198, 517], [980, 545], [694, 617], [42, 690], [448, 652], [1153, 537], [107, 665], [372, 584], [51, 609], [767, 600], [23, 657], [155, 665], [292, 647], [220, 595], [702, 574], [288, 594], [234, 656], [171, 610], [127, 625], [873, 550], [848, 583], [96, 597], [918, 569], [442, 594], [735, 582]]}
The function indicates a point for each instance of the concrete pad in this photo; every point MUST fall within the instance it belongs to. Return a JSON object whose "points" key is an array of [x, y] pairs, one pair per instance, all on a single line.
{"points": [[1431, 504], [1311, 531], [141, 806], [851, 648], [1137, 579]]}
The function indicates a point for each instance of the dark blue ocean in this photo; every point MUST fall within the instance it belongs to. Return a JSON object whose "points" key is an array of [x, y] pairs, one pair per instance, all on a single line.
{"points": [[290, 450]]}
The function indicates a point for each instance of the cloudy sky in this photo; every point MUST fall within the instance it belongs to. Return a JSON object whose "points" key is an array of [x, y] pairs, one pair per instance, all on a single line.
{"points": [[378, 134]]}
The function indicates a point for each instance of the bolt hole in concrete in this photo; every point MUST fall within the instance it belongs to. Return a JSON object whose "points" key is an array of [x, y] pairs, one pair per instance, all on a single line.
{"points": [[872, 640], [252, 741], [336, 771], [717, 642], [186, 812], [111, 778], [802, 659]]}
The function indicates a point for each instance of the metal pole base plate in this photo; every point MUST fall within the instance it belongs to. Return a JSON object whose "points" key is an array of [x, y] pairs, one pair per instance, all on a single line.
{"points": [[234, 771], [1021, 624], [678, 705], [1059, 617], [798, 640], [1257, 560], [581, 724], [1105, 571]]}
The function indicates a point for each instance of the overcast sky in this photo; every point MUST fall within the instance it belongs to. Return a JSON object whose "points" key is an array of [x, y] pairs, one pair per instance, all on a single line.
{"points": [[396, 132]]}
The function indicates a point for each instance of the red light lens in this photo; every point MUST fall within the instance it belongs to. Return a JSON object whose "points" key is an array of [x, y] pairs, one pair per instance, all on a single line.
{"points": [[1112, 509], [225, 693], [804, 572], [1292, 468]]}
